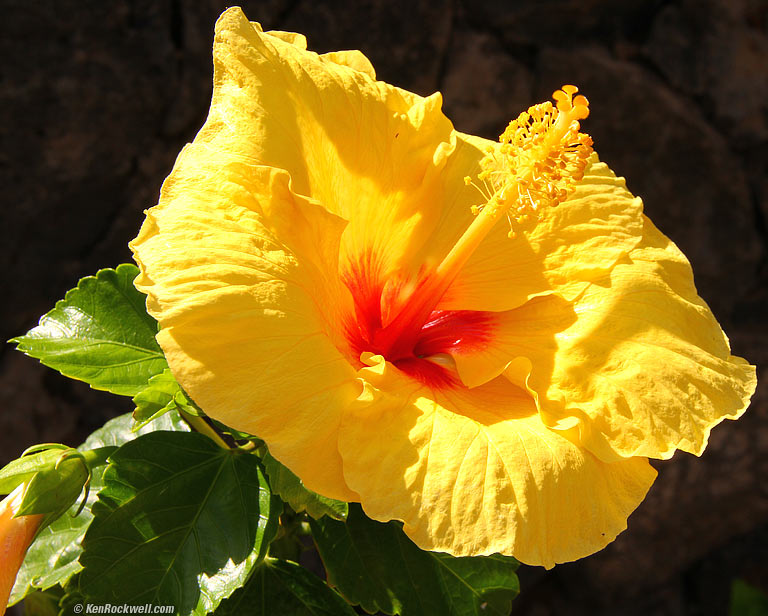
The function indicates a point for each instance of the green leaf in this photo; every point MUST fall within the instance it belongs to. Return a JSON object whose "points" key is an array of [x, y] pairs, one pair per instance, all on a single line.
{"points": [[43, 603], [68, 603], [24, 468], [377, 566], [54, 490], [53, 556], [176, 509], [100, 333], [291, 489], [220, 585], [746, 600], [119, 431], [162, 394], [283, 587]]}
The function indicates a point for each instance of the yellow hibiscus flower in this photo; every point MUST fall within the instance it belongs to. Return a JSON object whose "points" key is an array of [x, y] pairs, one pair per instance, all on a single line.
{"points": [[325, 278]]}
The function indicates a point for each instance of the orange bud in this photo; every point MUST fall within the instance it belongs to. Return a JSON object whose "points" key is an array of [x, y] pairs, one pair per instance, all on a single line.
{"points": [[15, 536]]}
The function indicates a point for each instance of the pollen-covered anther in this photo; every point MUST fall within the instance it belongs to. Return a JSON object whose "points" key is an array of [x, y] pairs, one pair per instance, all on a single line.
{"points": [[541, 154]]}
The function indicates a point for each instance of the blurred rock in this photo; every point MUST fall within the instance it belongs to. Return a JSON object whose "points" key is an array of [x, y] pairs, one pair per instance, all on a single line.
{"points": [[484, 88], [562, 23], [707, 49]]}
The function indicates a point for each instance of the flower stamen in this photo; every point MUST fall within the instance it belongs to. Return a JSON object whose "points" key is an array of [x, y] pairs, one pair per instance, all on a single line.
{"points": [[542, 154]]}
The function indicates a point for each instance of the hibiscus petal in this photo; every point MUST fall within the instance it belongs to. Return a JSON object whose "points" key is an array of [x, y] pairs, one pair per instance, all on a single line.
{"points": [[353, 59], [575, 243], [366, 150], [293, 38], [241, 273], [645, 369], [476, 472], [527, 331]]}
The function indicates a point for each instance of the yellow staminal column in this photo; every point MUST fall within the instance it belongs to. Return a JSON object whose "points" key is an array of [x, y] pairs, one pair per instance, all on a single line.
{"points": [[542, 154]]}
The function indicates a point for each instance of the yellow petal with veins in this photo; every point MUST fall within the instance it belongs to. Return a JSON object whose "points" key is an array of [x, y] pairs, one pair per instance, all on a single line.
{"points": [[525, 332], [368, 151], [292, 38], [353, 59], [645, 369], [477, 472]]}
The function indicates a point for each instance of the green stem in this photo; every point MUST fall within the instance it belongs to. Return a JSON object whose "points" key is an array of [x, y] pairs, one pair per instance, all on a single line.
{"points": [[200, 425], [97, 457]]}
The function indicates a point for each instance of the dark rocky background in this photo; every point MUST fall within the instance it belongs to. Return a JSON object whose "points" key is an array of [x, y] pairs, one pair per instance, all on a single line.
{"points": [[96, 99]]}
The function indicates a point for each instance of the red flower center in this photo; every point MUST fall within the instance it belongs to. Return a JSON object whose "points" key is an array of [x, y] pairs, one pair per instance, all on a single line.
{"points": [[396, 323]]}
